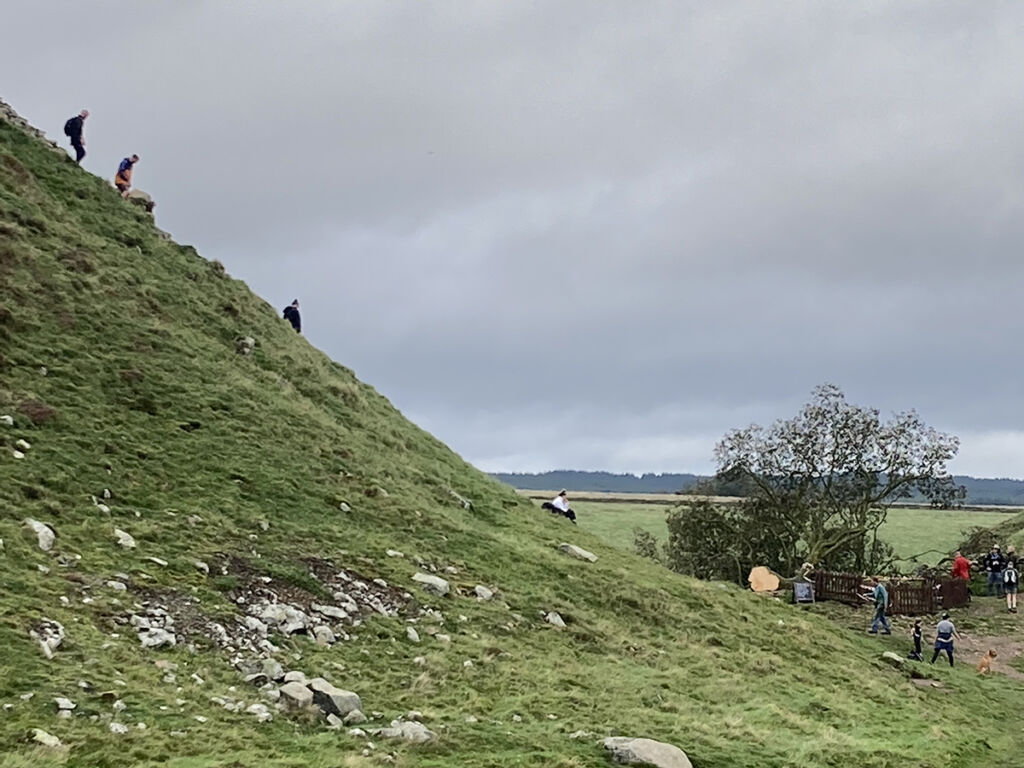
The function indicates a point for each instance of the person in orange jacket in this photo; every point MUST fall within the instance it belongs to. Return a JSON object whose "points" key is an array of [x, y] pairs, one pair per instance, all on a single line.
{"points": [[123, 177]]}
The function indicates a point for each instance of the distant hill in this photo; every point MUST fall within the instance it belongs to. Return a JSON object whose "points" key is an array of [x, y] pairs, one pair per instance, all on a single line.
{"points": [[980, 490]]}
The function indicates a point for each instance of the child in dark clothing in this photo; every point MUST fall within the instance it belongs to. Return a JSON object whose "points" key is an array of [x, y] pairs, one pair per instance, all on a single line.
{"points": [[915, 634]]}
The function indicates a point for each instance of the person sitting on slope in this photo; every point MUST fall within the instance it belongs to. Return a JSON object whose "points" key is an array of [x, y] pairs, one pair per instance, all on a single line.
{"points": [[560, 505]]}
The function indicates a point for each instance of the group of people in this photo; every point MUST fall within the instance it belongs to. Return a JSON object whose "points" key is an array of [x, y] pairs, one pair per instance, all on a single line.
{"points": [[945, 630], [74, 129], [1002, 573]]}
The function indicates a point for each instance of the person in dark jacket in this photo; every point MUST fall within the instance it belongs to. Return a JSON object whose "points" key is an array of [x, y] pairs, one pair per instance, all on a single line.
{"points": [[994, 565], [73, 129], [291, 314]]}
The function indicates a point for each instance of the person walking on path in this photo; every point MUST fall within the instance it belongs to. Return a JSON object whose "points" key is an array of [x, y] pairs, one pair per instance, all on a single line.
{"points": [[995, 562], [73, 129], [123, 177], [291, 314], [881, 597], [1011, 581], [961, 566], [945, 631]]}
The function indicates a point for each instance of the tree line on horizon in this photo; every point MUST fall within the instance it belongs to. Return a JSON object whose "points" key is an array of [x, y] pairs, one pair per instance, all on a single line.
{"points": [[1001, 491]]}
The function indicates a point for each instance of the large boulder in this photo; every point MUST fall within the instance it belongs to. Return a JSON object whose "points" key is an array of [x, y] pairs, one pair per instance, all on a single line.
{"points": [[630, 751], [332, 700], [44, 533], [141, 199], [578, 552], [433, 584], [296, 695]]}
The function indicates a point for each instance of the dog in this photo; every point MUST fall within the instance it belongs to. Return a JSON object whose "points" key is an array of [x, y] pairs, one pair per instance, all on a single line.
{"points": [[985, 665]]}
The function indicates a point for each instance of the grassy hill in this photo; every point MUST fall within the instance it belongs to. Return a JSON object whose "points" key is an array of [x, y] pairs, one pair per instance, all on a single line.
{"points": [[120, 367]]}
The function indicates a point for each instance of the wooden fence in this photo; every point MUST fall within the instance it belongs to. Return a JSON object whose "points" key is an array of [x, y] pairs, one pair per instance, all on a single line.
{"points": [[907, 597]]}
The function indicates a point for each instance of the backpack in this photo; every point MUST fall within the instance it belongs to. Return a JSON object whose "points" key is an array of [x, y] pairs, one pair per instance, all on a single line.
{"points": [[68, 127], [1010, 575]]}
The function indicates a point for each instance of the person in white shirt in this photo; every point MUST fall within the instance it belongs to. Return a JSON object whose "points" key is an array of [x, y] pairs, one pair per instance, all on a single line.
{"points": [[560, 506]]}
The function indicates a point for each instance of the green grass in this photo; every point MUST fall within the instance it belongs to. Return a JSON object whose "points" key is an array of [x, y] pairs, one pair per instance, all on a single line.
{"points": [[137, 336], [925, 532]]}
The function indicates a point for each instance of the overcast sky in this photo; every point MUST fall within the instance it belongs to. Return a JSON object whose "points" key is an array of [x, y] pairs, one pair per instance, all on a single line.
{"points": [[587, 234]]}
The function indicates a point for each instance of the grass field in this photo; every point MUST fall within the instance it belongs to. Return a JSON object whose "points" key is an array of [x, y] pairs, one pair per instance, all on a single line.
{"points": [[120, 367], [910, 531]]}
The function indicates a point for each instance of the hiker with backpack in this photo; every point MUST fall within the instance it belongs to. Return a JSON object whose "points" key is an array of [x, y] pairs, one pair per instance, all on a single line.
{"points": [[291, 314], [123, 177], [73, 129], [1011, 580]]}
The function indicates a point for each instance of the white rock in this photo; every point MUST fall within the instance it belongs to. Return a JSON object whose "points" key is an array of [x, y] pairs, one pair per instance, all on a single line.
{"points": [[157, 638], [471, 719], [344, 507], [158, 561], [555, 619], [18, 454], [443, 638], [412, 732], [260, 711], [355, 717], [517, 718], [106, 493], [333, 700], [412, 634], [63, 703], [124, 539], [467, 664], [202, 567], [119, 706], [323, 635], [117, 586], [6, 420], [44, 533], [118, 728], [103, 508], [630, 751], [420, 661], [577, 735], [355, 733], [394, 553], [295, 676], [334, 722], [274, 671], [432, 583], [296, 695], [578, 552], [482, 592], [330, 611], [199, 719], [22, 445], [42, 737]]}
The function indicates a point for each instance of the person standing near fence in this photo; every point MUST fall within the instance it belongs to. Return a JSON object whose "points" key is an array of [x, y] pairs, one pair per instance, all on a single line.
{"points": [[881, 598], [961, 566], [994, 565]]}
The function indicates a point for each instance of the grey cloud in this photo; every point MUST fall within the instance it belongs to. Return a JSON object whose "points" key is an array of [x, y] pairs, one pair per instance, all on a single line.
{"points": [[583, 233]]}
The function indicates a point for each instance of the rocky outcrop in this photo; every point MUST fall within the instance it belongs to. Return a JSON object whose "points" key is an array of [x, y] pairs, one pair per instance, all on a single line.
{"points": [[434, 584], [44, 533], [141, 199]]}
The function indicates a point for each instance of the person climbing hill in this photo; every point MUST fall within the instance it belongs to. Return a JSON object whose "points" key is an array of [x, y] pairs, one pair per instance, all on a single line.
{"points": [[291, 314], [73, 129], [880, 596], [123, 177]]}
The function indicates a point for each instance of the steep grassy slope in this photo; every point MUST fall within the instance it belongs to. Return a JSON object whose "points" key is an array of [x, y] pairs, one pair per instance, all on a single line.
{"points": [[243, 462]]}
